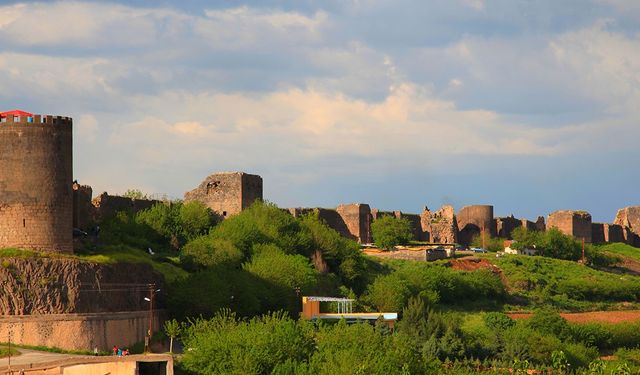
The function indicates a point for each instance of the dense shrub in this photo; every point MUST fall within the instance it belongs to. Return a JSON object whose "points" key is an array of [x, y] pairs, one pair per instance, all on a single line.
{"points": [[206, 252], [498, 321], [434, 283], [177, 222], [524, 343], [389, 231], [290, 275], [548, 321], [207, 292], [226, 345], [580, 355]]}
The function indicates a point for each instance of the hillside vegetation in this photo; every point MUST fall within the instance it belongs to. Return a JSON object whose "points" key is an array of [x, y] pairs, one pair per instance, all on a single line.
{"points": [[236, 287]]}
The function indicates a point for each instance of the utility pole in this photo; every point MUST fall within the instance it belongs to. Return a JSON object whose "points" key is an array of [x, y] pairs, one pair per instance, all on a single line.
{"points": [[483, 245], [147, 340], [10, 350]]}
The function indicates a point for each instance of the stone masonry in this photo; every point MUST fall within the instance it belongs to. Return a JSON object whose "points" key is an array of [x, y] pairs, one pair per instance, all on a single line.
{"points": [[357, 217], [440, 226], [36, 171], [227, 193], [573, 223], [473, 220]]}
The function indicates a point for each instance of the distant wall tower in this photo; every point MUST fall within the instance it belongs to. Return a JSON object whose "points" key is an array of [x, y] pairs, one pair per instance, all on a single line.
{"points": [[36, 169], [227, 193], [473, 220]]}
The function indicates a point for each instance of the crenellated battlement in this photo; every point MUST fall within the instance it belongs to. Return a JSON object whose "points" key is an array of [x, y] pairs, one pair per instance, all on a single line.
{"points": [[35, 119]]}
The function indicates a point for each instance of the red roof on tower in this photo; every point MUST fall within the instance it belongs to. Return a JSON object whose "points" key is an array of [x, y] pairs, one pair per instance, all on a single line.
{"points": [[15, 112]]}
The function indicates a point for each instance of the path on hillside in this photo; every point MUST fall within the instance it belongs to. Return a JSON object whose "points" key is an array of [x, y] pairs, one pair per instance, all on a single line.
{"points": [[591, 317]]}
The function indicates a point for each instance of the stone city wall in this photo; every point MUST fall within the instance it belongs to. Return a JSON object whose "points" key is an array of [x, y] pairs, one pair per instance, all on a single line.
{"points": [[357, 217], [506, 225], [416, 225], [107, 206], [597, 233], [573, 223]]}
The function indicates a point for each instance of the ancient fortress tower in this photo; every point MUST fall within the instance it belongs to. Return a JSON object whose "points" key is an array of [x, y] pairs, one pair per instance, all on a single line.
{"points": [[36, 200], [227, 193]]}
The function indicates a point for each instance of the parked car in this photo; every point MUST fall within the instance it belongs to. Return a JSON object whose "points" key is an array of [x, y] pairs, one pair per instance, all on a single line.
{"points": [[478, 250]]}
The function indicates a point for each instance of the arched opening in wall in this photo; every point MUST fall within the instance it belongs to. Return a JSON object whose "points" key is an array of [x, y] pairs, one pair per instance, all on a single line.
{"points": [[24, 223], [224, 213]]}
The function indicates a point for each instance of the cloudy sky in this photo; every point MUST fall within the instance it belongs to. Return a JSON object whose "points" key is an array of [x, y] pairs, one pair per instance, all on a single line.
{"points": [[531, 106]]}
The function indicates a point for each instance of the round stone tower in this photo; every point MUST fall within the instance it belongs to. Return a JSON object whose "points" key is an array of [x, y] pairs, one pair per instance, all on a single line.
{"points": [[473, 220], [36, 169]]}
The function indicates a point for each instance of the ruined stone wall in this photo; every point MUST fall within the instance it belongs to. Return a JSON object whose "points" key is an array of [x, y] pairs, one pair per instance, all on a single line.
{"points": [[607, 233], [251, 189], [377, 214], [440, 226], [106, 206], [227, 193], [540, 224], [597, 233], [613, 233], [80, 331], [84, 212], [573, 223], [530, 225], [472, 220], [416, 225], [357, 217], [506, 225], [330, 217], [36, 202]]}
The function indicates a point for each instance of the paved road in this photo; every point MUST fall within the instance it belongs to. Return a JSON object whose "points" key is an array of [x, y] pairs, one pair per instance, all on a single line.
{"points": [[31, 357]]}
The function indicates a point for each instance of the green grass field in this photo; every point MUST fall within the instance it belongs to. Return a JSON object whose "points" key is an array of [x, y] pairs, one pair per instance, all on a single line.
{"points": [[621, 249]]}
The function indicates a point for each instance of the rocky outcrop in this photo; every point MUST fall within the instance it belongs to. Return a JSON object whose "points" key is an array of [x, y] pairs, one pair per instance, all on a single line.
{"points": [[629, 217], [67, 285], [440, 226]]}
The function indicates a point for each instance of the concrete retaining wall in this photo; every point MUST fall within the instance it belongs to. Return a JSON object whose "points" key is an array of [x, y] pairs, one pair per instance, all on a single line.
{"points": [[79, 331]]}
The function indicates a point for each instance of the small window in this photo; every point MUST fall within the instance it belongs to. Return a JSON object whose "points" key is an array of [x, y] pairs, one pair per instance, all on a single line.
{"points": [[224, 213], [24, 223]]}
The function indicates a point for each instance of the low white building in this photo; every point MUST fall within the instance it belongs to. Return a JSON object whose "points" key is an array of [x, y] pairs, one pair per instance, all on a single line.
{"points": [[526, 251]]}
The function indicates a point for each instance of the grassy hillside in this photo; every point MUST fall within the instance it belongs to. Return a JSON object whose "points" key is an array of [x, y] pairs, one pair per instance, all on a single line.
{"points": [[621, 249], [566, 284]]}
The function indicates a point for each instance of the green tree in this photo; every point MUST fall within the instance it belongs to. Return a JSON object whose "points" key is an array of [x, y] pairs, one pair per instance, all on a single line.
{"points": [[135, 194], [172, 329], [290, 276], [388, 293], [195, 219], [227, 345], [205, 251], [389, 231]]}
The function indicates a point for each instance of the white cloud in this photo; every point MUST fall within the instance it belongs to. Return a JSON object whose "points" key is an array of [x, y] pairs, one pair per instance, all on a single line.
{"points": [[605, 65], [307, 126]]}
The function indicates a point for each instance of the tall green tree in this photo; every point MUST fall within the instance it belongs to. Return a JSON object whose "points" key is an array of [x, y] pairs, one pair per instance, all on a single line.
{"points": [[389, 231]]}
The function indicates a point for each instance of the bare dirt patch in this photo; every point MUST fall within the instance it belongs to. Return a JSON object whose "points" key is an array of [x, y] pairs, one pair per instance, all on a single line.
{"points": [[472, 264]]}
